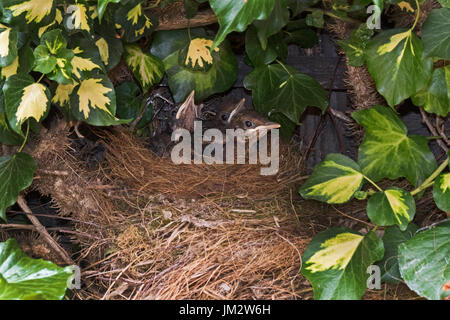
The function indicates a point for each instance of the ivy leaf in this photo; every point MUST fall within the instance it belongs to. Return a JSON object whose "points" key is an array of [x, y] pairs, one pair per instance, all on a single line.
{"points": [[92, 100], [355, 46], [24, 278], [28, 14], [7, 136], [298, 6], [283, 89], [305, 38], [336, 261], [315, 19], [423, 261], [54, 23], [436, 34], [276, 47], [110, 50], [22, 64], [392, 206], [394, 59], [436, 98], [86, 59], [207, 72], [16, 174], [130, 104], [441, 192], [24, 99], [8, 45], [444, 3], [134, 22], [78, 18], [273, 23], [392, 237], [236, 15], [388, 152], [102, 4], [147, 68], [334, 180]]}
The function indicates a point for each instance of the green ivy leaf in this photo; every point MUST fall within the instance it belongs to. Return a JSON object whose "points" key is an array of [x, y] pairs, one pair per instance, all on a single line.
{"points": [[423, 261], [28, 14], [441, 192], [8, 45], [388, 152], [392, 238], [273, 23], [130, 104], [336, 261], [24, 278], [236, 15], [147, 68], [298, 6], [355, 46], [305, 38], [7, 136], [24, 99], [334, 180], [395, 61], [436, 34], [284, 89], [276, 48], [445, 3], [207, 72], [102, 4], [436, 98], [134, 22], [16, 174], [392, 206], [315, 19]]}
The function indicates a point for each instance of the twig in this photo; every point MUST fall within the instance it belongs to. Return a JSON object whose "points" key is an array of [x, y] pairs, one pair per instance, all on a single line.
{"points": [[77, 132], [54, 172], [440, 129], [43, 232], [432, 129], [17, 226]]}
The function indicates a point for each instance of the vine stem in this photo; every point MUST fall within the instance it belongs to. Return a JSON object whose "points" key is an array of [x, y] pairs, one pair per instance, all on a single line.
{"points": [[26, 136], [284, 67], [331, 14], [373, 183], [429, 181]]}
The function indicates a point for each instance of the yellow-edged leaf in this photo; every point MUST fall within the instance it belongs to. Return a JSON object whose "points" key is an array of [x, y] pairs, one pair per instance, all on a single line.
{"points": [[58, 20], [62, 94], [11, 69], [82, 64], [199, 53], [92, 94], [79, 17], [335, 253], [36, 10], [33, 103], [103, 49], [4, 40]]}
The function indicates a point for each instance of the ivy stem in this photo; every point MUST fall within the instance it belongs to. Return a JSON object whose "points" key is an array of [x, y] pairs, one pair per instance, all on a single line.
{"points": [[331, 14], [417, 16], [429, 181], [26, 136], [436, 137], [42, 76], [373, 183]]}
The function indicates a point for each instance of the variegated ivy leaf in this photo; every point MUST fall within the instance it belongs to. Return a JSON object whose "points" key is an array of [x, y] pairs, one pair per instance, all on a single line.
{"points": [[170, 46], [77, 18], [236, 15], [395, 61], [336, 261], [197, 55], [54, 23], [147, 68], [393, 206], [387, 150], [26, 13], [110, 50], [24, 99], [8, 45], [334, 180], [86, 60], [23, 63], [92, 100], [436, 98], [133, 21], [355, 46], [16, 174], [441, 192]]}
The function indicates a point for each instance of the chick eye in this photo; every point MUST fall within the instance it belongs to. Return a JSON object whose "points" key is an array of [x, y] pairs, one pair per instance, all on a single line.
{"points": [[248, 124], [224, 117]]}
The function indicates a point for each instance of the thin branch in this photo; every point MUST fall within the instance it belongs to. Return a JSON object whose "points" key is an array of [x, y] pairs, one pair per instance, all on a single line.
{"points": [[43, 232], [432, 129], [441, 129]]}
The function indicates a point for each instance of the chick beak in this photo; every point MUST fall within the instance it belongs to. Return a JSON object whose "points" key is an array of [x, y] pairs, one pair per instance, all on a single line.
{"points": [[188, 103], [236, 109], [268, 126]]}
